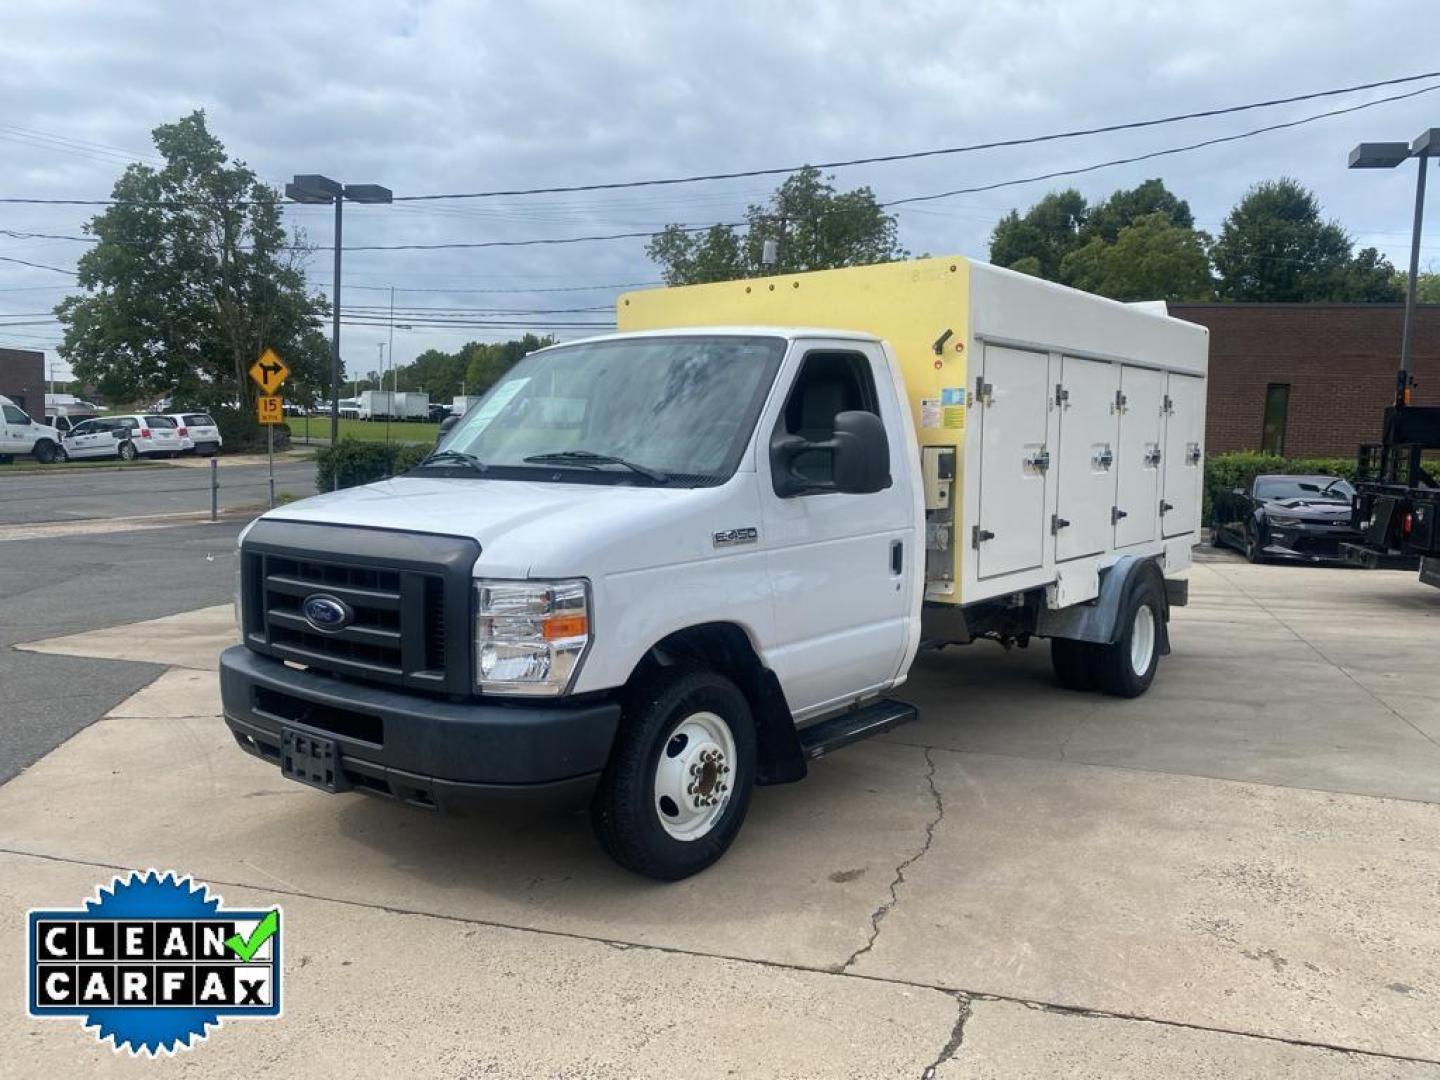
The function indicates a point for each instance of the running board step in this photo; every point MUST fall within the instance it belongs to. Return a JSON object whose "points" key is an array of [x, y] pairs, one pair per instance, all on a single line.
{"points": [[850, 727]]}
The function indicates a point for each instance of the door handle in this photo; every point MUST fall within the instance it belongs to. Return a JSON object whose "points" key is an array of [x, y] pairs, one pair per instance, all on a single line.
{"points": [[897, 557]]}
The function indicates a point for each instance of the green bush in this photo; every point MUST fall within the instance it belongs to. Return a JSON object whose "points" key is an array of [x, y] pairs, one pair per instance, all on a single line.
{"points": [[352, 462], [1225, 472]]}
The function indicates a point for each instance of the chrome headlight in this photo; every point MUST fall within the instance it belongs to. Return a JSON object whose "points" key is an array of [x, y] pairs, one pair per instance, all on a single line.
{"points": [[530, 636]]}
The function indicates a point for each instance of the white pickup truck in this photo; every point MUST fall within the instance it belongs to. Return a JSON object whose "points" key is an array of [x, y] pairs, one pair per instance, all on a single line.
{"points": [[19, 434], [671, 564]]}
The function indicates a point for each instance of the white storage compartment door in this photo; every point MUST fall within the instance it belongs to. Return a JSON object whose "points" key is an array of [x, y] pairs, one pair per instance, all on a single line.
{"points": [[1137, 500], [1184, 454], [1013, 401], [1085, 463]]}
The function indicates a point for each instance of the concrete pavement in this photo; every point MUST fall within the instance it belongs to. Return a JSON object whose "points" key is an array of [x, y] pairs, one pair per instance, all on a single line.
{"points": [[1234, 875], [63, 586], [82, 494]]}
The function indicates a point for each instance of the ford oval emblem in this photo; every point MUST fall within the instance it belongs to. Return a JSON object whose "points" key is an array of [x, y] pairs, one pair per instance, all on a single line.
{"points": [[326, 613]]}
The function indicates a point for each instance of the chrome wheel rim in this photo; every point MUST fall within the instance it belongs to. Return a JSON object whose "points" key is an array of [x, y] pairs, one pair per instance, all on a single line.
{"points": [[1142, 639], [694, 777]]}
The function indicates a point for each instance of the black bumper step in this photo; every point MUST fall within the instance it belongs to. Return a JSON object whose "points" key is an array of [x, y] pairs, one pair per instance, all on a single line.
{"points": [[1374, 559], [851, 727]]}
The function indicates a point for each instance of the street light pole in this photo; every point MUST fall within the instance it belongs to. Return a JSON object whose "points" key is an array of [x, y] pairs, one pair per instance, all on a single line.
{"points": [[313, 188], [1387, 155], [1411, 280], [335, 326]]}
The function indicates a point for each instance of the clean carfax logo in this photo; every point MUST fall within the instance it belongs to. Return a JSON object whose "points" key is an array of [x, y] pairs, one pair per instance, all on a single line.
{"points": [[151, 962]]}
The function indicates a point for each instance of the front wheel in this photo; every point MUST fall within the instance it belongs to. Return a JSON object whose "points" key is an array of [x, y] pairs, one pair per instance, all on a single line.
{"points": [[128, 451], [675, 791], [46, 452], [1126, 668]]}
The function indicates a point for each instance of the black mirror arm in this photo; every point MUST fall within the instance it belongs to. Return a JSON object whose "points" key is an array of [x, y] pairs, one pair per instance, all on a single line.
{"points": [[788, 482]]}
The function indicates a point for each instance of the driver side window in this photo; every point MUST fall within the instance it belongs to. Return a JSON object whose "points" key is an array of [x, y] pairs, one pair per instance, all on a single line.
{"points": [[829, 383], [14, 415]]}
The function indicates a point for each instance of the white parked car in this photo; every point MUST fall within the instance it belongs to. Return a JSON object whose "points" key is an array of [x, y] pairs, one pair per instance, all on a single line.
{"points": [[198, 432], [21, 435], [125, 437]]}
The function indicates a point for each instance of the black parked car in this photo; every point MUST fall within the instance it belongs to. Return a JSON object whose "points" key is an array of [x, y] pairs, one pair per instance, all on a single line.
{"points": [[1286, 517]]}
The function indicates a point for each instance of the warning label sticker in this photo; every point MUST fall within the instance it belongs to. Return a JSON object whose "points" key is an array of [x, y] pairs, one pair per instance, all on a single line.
{"points": [[929, 412]]}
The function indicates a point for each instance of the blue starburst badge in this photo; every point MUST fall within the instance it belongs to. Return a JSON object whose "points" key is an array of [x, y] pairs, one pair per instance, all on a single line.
{"points": [[152, 962]]}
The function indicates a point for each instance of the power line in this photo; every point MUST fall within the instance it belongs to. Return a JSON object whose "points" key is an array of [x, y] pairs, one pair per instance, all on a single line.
{"points": [[918, 154], [38, 266], [878, 159], [1162, 153], [548, 241]]}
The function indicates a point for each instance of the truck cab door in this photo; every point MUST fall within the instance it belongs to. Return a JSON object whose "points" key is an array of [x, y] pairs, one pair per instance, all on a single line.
{"points": [[14, 430], [841, 565]]}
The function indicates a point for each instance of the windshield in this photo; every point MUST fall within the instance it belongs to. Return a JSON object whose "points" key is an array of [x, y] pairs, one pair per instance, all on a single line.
{"points": [[1328, 488], [681, 407]]}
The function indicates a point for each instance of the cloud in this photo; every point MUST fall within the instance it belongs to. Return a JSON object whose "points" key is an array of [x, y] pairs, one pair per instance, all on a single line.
{"points": [[454, 95]]}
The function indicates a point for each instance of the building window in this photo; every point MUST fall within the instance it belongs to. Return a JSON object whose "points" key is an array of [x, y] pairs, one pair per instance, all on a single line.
{"points": [[1272, 429]]}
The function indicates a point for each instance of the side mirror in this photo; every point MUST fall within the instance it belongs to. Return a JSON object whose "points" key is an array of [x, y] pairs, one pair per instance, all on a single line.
{"points": [[859, 453], [446, 426]]}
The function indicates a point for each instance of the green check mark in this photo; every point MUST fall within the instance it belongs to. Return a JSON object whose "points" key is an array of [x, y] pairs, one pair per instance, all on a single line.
{"points": [[246, 948]]}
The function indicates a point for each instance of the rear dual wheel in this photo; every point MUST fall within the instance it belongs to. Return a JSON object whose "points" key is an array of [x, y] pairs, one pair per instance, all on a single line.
{"points": [[1125, 667]]}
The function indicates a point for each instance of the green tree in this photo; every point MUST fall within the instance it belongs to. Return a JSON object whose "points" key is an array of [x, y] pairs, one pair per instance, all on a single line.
{"points": [[1037, 242], [1150, 259], [1427, 286], [815, 228], [192, 277], [1275, 247], [1126, 207], [486, 363]]}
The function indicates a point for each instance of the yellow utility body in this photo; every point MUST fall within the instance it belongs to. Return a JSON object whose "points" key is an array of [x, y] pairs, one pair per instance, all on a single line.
{"points": [[1056, 430]]}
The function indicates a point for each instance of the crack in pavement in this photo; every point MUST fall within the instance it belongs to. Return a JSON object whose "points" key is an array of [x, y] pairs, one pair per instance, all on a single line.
{"points": [[878, 915], [957, 1038], [970, 996]]}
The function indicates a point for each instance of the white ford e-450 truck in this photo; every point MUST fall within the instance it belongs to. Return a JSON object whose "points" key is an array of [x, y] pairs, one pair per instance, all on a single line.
{"points": [[680, 561]]}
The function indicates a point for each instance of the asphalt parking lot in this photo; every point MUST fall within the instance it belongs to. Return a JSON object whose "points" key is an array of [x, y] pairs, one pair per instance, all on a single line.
{"points": [[1233, 875]]}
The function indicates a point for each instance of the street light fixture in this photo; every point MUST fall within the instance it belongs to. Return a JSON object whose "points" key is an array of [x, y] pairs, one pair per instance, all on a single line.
{"points": [[313, 188], [1387, 155]]}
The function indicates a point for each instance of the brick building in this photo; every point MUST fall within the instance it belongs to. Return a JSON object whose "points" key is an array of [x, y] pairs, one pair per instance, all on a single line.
{"points": [[22, 379], [1309, 380]]}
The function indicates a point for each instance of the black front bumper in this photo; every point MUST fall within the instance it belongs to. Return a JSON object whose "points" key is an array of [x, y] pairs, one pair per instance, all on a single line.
{"points": [[1308, 543], [419, 749]]}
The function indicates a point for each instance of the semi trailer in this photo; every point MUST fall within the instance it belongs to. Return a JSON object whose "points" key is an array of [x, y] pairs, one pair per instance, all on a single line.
{"points": [[664, 566]]}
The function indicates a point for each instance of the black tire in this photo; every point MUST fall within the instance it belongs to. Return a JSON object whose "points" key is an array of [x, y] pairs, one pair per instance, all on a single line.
{"points": [[44, 451], [1253, 552], [626, 813], [1074, 663], [128, 452], [1115, 669]]}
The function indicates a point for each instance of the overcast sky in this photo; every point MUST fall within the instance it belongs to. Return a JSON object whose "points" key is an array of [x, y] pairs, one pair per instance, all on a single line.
{"points": [[466, 95]]}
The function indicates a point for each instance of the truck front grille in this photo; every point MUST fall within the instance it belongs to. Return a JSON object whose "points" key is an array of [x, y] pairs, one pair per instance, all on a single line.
{"points": [[402, 608]]}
